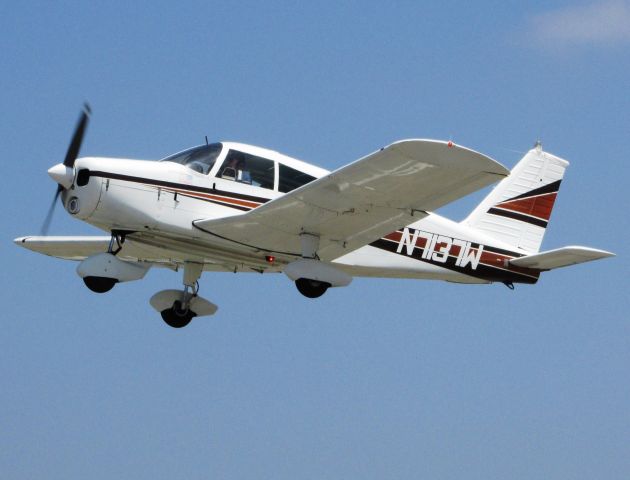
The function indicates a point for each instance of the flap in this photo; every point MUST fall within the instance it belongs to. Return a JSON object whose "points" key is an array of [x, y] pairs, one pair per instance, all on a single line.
{"points": [[560, 257], [363, 201]]}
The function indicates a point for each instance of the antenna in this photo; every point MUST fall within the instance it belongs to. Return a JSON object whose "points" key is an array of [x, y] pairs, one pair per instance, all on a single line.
{"points": [[206, 139]]}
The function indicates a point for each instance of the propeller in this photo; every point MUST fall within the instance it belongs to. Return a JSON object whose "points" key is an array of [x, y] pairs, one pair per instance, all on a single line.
{"points": [[63, 173]]}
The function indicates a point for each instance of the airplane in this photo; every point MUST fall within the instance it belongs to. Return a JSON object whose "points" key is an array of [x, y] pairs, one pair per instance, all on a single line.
{"points": [[231, 207]]}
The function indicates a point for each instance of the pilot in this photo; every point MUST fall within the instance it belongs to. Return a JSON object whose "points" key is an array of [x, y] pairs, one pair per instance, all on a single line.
{"points": [[237, 164]]}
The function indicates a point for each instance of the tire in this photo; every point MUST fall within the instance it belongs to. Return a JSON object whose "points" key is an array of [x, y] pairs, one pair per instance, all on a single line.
{"points": [[100, 284], [311, 288], [176, 317]]}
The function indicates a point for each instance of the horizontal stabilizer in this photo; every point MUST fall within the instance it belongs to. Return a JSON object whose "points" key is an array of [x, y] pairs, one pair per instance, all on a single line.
{"points": [[560, 257]]}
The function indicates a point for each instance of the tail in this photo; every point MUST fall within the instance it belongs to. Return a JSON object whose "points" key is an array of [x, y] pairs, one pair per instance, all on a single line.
{"points": [[518, 209]]}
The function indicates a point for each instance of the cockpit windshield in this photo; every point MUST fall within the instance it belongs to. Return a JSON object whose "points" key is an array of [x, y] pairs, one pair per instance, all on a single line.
{"points": [[200, 159]]}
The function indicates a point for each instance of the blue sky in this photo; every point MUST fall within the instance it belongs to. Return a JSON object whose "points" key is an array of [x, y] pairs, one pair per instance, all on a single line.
{"points": [[383, 379]]}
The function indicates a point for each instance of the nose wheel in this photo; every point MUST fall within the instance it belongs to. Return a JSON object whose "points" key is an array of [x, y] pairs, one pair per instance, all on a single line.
{"points": [[180, 314], [177, 316], [178, 307]]}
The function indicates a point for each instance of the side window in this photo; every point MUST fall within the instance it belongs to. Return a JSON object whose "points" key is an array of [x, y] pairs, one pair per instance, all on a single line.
{"points": [[245, 168], [290, 179]]}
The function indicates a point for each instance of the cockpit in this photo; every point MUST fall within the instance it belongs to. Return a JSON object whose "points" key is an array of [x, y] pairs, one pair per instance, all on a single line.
{"points": [[242, 167]]}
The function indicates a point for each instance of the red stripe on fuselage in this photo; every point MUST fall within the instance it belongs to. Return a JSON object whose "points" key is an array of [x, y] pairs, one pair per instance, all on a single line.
{"points": [[219, 198]]}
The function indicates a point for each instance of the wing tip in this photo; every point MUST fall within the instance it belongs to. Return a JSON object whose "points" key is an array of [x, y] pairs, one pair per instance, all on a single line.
{"points": [[595, 251], [481, 161]]}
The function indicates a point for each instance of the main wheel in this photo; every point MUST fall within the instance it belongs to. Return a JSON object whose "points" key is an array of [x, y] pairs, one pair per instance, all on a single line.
{"points": [[311, 288], [100, 284], [176, 316]]}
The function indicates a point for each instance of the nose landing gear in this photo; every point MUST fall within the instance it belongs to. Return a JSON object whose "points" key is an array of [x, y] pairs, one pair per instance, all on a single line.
{"points": [[178, 307]]}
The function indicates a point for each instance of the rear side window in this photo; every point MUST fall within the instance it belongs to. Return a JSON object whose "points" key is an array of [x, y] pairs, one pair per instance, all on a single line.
{"points": [[290, 179]]}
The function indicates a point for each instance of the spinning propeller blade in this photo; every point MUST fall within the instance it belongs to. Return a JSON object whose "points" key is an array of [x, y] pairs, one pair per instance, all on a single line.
{"points": [[77, 138], [51, 210], [71, 156]]}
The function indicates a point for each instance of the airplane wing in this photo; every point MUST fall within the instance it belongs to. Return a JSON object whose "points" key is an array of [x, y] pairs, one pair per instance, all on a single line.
{"points": [[363, 201], [79, 248], [67, 248], [159, 251]]}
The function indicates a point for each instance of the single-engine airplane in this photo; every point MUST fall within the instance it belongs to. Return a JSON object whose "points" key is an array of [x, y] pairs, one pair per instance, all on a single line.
{"points": [[230, 207]]}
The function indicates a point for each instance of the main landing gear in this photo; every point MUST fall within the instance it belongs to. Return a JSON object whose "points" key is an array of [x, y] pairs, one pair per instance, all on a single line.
{"points": [[313, 277], [177, 307], [105, 284], [101, 271]]}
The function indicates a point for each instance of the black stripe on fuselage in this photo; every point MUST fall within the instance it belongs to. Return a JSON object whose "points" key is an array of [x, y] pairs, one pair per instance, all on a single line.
{"points": [[183, 186]]}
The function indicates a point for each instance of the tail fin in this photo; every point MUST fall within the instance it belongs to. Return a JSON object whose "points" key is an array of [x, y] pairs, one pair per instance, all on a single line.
{"points": [[518, 209]]}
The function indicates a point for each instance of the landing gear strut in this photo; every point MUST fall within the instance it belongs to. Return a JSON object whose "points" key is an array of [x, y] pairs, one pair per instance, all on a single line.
{"points": [[306, 286]]}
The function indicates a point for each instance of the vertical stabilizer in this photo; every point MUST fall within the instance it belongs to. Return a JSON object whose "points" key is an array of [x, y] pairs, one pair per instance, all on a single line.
{"points": [[518, 209]]}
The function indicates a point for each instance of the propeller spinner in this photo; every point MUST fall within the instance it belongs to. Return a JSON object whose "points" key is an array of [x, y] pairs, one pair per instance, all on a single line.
{"points": [[63, 173]]}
